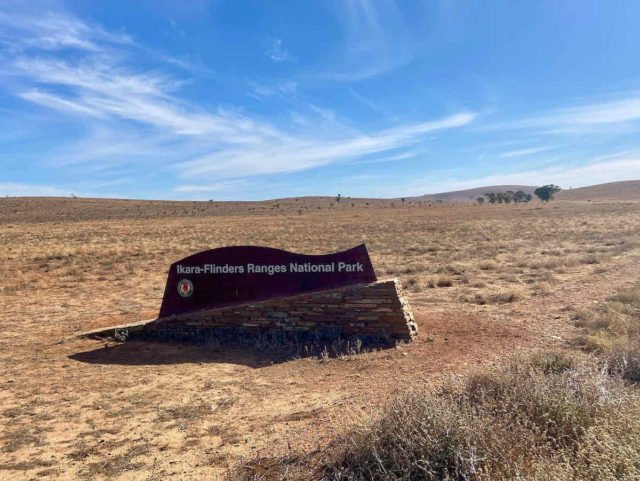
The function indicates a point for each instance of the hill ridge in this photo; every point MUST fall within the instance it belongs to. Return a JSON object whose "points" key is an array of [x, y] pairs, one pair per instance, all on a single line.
{"points": [[470, 195]]}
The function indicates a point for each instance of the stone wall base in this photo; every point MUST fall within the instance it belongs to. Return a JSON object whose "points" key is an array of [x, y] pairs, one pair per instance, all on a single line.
{"points": [[377, 310]]}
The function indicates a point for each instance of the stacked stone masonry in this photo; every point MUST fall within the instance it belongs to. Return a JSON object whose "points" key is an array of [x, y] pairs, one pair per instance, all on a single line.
{"points": [[366, 310]]}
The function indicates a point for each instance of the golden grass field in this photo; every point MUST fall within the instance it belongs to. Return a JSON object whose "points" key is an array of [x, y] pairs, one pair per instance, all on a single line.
{"points": [[484, 283]]}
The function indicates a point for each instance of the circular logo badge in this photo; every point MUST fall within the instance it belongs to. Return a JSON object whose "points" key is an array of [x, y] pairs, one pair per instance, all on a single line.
{"points": [[185, 287]]}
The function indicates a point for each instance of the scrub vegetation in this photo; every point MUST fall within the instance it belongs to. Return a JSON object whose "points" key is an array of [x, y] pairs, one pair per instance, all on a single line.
{"points": [[553, 415], [476, 396]]}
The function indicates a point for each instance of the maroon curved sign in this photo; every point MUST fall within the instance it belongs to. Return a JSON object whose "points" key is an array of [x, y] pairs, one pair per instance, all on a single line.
{"points": [[234, 275]]}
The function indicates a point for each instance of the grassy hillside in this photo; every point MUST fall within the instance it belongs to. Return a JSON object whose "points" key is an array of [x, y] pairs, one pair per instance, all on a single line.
{"points": [[470, 195], [46, 209], [611, 191]]}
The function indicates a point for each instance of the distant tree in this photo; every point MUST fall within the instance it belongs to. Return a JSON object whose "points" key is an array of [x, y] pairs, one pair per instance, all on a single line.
{"points": [[545, 193], [403, 199], [491, 197], [519, 196], [508, 196], [338, 198], [480, 200], [500, 197]]}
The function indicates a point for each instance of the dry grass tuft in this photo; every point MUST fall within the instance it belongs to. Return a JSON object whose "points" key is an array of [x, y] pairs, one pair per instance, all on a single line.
{"points": [[613, 331], [16, 439], [511, 295], [116, 465], [444, 281], [184, 415]]}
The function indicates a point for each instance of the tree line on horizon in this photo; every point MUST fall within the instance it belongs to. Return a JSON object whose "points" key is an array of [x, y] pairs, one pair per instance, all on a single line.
{"points": [[544, 193]]}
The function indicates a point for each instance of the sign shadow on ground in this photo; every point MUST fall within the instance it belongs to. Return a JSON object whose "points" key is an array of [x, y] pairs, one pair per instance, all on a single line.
{"points": [[156, 353]]}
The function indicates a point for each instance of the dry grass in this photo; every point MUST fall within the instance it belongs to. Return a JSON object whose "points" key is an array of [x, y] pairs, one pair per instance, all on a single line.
{"points": [[481, 281], [114, 466], [613, 332], [552, 416], [494, 249]]}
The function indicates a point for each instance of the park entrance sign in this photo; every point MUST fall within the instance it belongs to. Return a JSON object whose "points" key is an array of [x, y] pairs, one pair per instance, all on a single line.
{"points": [[238, 291], [235, 275]]}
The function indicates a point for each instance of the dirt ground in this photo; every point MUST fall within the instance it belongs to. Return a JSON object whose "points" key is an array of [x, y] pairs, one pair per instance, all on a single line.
{"points": [[484, 283]]}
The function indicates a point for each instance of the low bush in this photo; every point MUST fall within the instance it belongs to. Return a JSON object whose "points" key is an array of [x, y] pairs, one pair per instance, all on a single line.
{"points": [[444, 281], [550, 417], [511, 295]]}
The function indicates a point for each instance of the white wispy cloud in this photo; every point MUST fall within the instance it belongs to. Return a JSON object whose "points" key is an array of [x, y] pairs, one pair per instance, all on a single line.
{"points": [[603, 113], [21, 189], [375, 39], [390, 158], [137, 115], [369, 103], [107, 147], [238, 145], [522, 152], [577, 119], [275, 50], [300, 154], [103, 89], [53, 31], [283, 89], [52, 101]]}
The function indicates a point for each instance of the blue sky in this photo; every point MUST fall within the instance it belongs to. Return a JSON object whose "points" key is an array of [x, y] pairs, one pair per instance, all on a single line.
{"points": [[244, 100]]}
